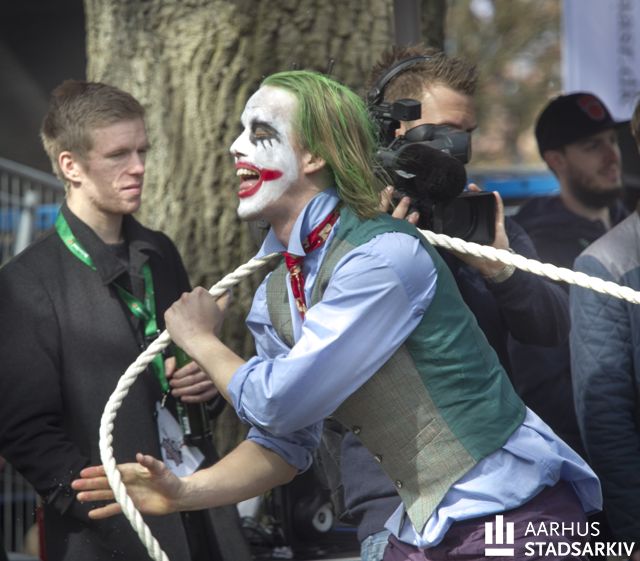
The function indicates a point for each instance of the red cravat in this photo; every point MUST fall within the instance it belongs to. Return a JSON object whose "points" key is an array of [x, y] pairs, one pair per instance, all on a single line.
{"points": [[314, 240]]}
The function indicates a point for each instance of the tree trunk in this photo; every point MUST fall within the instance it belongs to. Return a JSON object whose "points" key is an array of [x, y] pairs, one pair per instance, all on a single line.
{"points": [[193, 65], [434, 14]]}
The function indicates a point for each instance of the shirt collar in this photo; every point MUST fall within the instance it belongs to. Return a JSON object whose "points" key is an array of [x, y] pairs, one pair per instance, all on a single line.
{"points": [[312, 214]]}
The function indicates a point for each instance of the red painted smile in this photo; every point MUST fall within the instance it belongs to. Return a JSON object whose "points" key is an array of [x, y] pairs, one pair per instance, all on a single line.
{"points": [[253, 178]]}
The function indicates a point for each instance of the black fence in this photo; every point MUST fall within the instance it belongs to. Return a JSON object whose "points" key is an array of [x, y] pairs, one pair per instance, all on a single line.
{"points": [[29, 202]]}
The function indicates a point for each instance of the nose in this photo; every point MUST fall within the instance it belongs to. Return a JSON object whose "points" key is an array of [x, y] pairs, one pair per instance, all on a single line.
{"points": [[136, 165], [233, 149], [613, 153], [239, 146]]}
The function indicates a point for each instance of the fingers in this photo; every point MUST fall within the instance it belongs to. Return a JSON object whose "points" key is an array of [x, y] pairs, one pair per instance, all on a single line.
{"points": [[402, 208], [90, 483], [202, 397], [499, 207], [192, 385], [402, 211], [385, 198], [187, 372], [224, 301], [92, 496], [473, 187], [413, 218], [194, 389], [180, 388], [105, 511], [92, 471], [169, 366]]}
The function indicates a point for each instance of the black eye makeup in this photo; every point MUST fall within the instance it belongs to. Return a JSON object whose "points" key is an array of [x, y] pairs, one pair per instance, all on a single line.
{"points": [[263, 133]]}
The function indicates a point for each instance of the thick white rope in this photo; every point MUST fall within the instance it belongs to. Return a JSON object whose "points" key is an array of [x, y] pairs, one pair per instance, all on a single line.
{"points": [[533, 266], [218, 289], [116, 398]]}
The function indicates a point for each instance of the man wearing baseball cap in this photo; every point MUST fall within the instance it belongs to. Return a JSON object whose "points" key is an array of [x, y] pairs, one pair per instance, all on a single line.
{"points": [[577, 138]]}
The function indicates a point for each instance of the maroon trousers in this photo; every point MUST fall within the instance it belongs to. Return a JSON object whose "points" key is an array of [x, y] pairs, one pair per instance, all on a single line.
{"points": [[467, 540]]}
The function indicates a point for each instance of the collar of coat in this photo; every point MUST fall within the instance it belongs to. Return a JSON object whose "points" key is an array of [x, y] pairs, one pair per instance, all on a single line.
{"points": [[140, 240]]}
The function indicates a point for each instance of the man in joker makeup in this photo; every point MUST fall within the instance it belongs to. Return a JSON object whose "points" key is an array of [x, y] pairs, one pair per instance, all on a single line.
{"points": [[363, 322]]}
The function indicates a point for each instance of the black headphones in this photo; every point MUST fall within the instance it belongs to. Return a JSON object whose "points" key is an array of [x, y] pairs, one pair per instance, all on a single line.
{"points": [[376, 93]]}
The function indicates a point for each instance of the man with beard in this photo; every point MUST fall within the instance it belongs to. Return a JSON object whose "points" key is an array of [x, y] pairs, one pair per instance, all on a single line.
{"points": [[361, 320], [577, 139], [605, 357]]}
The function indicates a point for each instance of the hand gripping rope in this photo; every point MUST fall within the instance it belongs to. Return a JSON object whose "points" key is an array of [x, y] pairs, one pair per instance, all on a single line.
{"points": [[116, 398], [218, 289]]}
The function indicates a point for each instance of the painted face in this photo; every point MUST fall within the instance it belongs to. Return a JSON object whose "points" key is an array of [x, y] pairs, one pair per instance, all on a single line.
{"points": [[267, 161], [112, 173]]}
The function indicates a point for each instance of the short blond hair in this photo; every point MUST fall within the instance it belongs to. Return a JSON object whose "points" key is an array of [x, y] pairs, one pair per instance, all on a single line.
{"points": [[76, 108]]}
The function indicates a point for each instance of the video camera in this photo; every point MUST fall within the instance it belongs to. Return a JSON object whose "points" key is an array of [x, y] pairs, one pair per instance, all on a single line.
{"points": [[427, 165]]}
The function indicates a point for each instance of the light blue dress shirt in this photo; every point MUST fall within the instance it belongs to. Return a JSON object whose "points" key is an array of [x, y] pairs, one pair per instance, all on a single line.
{"points": [[376, 297]]}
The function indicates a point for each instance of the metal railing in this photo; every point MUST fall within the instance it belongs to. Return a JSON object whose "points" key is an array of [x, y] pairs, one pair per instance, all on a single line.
{"points": [[29, 201], [18, 512]]}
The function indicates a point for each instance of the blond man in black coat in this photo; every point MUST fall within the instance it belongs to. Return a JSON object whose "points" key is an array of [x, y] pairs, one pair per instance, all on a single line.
{"points": [[76, 309]]}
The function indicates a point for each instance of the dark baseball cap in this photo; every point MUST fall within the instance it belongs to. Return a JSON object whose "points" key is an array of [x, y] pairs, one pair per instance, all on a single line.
{"points": [[568, 118]]}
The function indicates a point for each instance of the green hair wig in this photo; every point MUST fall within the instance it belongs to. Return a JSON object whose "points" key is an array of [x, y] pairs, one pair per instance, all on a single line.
{"points": [[333, 123]]}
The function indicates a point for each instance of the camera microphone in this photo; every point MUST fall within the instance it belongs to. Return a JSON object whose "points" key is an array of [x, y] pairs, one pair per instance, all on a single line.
{"points": [[425, 173], [427, 164]]}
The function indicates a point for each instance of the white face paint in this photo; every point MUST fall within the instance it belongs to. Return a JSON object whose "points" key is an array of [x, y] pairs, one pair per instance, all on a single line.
{"points": [[265, 154]]}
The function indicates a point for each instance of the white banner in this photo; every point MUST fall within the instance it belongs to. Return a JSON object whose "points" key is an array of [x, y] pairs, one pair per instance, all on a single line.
{"points": [[601, 51]]}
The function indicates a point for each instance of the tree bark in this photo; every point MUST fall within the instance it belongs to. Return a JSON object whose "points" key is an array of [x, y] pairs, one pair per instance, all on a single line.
{"points": [[193, 64], [434, 14]]}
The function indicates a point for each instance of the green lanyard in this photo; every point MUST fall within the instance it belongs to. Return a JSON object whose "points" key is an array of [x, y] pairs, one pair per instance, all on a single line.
{"points": [[144, 311]]}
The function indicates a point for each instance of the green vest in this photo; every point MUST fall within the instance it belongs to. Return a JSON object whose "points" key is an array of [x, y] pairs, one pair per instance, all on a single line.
{"points": [[440, 404]]}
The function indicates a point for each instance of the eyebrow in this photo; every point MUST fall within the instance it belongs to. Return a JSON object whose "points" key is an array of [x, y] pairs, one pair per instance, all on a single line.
{"points": [[123, 149]]}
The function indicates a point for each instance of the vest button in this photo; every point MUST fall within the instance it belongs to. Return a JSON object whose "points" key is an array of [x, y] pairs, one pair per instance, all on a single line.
{"points": [[399, 484], [356, 430], [378, 458]]}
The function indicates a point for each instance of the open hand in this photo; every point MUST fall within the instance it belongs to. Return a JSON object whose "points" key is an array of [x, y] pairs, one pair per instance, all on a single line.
{"points": [[153, 488]]}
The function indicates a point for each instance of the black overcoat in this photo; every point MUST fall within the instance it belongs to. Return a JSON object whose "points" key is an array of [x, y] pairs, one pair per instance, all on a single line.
{"points": [[65, 340]]}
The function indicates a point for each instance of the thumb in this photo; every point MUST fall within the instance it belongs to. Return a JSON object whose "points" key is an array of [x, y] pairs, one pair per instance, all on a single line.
{"points": [[499, 208], [224, 300], [154, 466]]}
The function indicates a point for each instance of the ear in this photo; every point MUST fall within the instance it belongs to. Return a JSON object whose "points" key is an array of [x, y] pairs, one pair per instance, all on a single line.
{"points": [[69, 166], [554, 159], [312, 164]]}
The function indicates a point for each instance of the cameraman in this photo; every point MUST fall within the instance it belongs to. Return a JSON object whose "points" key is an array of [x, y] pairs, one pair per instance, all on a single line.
{"points": [[506, 302]]}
